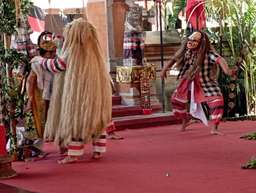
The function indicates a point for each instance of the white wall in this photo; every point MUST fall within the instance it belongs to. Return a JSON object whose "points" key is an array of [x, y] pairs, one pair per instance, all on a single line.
{"points": [[61, 4]]}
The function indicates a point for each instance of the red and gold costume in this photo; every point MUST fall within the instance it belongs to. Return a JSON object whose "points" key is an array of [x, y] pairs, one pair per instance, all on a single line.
{"points": [[198, 65]]}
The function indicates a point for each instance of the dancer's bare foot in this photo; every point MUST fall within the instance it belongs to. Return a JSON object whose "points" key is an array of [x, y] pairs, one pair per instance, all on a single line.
{"points": [[186, 123], [68, 159], [114, 136], [215, 131], [96, 155]]}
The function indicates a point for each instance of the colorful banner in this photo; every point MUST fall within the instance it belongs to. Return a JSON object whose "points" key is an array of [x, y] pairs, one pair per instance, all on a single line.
{"points": [[36, 19]]}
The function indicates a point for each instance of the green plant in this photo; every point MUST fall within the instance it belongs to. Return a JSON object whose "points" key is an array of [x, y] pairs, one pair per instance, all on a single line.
{"points": [[251, 136], [11, 65], [171, 13], [237, 24], [8, 18], [8, 14], [251, 164]]}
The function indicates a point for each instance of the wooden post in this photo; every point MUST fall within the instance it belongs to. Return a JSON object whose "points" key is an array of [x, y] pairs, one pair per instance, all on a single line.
{"points": [[162, 54]]}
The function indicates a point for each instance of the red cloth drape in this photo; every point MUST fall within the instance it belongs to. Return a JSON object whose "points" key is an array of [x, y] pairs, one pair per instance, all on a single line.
{"points": [[3, 151], [195, 13], [36, 19]]}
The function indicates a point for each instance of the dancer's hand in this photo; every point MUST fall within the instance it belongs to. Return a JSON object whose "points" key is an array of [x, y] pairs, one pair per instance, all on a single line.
{"points": [[58, 40], [233, 72]]}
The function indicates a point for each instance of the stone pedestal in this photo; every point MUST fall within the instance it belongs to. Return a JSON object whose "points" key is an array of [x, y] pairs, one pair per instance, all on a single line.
{"points": [[130, 93]]}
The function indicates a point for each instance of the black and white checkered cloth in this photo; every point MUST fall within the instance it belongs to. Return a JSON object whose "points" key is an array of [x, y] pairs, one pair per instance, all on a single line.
{"points": [[208, 72]]}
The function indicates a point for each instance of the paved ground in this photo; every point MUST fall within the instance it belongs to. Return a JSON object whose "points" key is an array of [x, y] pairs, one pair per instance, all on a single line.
{"points": [[152, 160]]}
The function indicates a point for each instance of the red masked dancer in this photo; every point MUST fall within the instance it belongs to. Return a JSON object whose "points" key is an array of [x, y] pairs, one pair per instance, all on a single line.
{"points": [[198, 65]]}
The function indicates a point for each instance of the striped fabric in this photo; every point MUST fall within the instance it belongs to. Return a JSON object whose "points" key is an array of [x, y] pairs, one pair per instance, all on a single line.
{"points": [[206, 90], [179, 108], [179, 99], [99, 144], [216, 106], [133, 47], [54, 65], [23, 41], [76, 148], [216, 109]]}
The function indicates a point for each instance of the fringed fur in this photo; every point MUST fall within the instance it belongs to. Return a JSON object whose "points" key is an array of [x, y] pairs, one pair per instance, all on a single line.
{"points": [[86, 101], [54, 112]]}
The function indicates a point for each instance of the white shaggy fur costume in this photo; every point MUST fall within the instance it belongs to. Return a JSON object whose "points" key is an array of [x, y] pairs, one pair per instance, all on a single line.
{"points": [[81, 101]]}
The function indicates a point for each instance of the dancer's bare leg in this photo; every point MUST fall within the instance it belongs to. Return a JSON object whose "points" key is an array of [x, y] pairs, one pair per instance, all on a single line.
{"points": [[184, 124], [215, 130], [113, 135], [99, 146]]}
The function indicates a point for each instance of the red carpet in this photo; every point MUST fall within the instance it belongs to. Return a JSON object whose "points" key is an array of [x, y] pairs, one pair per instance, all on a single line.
{"points": [[152, 160]]}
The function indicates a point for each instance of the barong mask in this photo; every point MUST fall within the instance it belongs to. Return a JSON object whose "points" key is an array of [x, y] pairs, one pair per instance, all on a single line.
{"points": [[194, 40], [46, 44]]}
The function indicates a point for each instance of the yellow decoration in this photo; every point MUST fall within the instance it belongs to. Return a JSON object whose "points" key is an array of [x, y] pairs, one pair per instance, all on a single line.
{"points": [[132, 74]]}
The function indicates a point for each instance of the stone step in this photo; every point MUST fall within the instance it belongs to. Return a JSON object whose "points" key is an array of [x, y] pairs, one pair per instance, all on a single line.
{"points": [[142, 121], [124, 110], [116, 100]]}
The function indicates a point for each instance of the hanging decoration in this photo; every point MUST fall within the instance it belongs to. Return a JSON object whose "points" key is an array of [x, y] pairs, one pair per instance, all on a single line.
{"points": [[195, 13]]}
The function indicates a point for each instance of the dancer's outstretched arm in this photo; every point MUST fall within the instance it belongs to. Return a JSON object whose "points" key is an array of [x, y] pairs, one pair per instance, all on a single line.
{"points": [[166, 67], [54, 65], [224, 66]]}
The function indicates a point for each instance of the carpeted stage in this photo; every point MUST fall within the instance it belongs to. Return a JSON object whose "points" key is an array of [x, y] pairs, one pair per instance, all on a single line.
{"points": [[151, 160]]}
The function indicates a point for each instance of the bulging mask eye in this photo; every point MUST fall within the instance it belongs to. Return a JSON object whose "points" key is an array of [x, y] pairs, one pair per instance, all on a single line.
{"points": [[191, 40]]}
